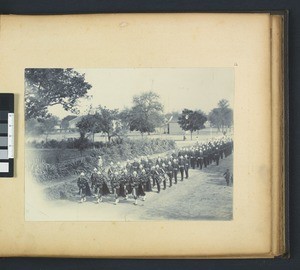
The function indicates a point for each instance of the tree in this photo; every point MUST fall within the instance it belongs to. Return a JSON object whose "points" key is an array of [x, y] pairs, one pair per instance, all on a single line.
{"points": [[88, 125], [192, 120], [52, 86], [222, 116], [47, 125], [146, 113], [108, 121]]}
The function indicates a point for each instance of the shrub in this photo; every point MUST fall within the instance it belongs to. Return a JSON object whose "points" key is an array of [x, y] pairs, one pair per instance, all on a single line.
{"points": [[63, 161]]}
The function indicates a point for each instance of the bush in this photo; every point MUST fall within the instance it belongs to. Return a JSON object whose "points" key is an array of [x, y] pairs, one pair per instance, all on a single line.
{"points": [[62, 160]]}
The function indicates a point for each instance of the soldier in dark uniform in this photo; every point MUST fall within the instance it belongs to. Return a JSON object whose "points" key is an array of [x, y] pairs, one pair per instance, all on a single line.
{"points": [[93, 178], [115, 182], [181, 166], [101, 188], [142, 183], [186, 166], [155, 176], [111, 170], [84, 188], [175, 169], [163, 174], [217, 155], [134, 181], [170, 172], [197, 157], [205, 156], [192, 158], [201, 158], [147, 179]]}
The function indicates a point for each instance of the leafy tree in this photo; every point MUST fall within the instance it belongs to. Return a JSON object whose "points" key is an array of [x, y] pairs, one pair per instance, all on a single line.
{"points": [[192, 120], [52, 86], [222, 116], [88, 125], [47, 125], [146, 113], [108, 121]]}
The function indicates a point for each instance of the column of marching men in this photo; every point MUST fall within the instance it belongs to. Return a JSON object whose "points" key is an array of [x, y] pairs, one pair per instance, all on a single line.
{"points": [[143, 175]]}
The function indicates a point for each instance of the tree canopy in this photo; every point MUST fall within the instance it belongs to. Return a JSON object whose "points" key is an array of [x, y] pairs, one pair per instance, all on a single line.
{"points": [[192, 120], [52, 86], [146, 113], [222, 116]]}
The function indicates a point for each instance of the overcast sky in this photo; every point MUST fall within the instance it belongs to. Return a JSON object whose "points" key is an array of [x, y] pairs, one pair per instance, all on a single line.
{"points": [[178, 88]]}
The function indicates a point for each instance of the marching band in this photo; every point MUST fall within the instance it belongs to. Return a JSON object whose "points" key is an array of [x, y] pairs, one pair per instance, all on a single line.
{"points": [[140, 176]]}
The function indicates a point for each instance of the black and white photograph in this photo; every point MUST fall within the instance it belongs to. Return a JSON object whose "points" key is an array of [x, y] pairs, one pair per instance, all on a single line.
{"points": [[129, 144]]}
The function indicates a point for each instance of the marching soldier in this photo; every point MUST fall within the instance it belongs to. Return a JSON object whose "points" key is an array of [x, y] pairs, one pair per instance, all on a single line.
{"points": [[155, 177], [145, 175], [175, 169], [193, 158], [115, 183], [111, 170], [135, 185], [142, 182], [101, 188], [162, 173], [181, 166], [93, 178], [170, 172], [217, 156], [84, 188], [186, 166]]}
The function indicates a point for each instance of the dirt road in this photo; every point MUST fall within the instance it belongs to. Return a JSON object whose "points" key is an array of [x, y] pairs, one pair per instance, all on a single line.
{"points": [[203, 196]]}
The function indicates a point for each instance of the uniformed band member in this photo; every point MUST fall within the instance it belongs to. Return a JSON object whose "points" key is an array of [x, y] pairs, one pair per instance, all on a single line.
{"points": [[101, 188], [181, 166], [84, 188], [186, 166], [175, 170], [170, 172], [155, 176]]}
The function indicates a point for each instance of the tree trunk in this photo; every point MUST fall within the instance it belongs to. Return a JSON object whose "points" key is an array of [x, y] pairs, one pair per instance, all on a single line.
{"points": [[191, 135]]}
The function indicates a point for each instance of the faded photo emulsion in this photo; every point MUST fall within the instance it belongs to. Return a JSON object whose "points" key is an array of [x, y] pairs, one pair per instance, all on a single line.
{"points": [[129, 144]]}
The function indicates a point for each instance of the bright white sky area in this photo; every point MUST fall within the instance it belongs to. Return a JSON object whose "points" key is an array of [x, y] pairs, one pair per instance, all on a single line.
{"points": [[178, 88]]}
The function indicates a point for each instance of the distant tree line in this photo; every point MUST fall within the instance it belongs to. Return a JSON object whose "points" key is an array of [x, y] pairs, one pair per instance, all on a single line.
{"points": [[49, 87]]}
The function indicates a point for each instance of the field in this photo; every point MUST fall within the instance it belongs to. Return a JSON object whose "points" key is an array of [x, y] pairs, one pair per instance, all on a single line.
{"points": [[201, 135]]}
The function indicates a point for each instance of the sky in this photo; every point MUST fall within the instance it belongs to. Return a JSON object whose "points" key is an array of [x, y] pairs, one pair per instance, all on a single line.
{"points": [[178, 88]]}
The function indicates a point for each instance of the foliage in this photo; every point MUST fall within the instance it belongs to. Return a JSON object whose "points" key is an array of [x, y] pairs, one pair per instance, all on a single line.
{"points": [[192, 120], [41, 126], [88, 124], [107, 120], [146, 113], [59, 162], [52, 86], [222, 116]]}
